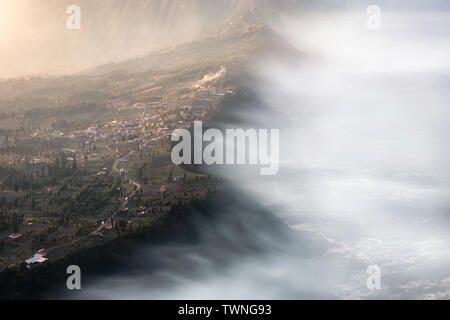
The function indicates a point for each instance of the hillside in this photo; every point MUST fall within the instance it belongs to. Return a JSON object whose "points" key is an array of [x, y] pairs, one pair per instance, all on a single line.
{"points": [[115, 30], [186, 62]]}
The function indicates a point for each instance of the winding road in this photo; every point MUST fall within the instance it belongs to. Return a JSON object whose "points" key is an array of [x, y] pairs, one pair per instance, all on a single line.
{"points": [[115, 168]]}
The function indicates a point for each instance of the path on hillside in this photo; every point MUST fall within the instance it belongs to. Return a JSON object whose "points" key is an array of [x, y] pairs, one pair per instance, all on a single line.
{"points": [[115, 168]]}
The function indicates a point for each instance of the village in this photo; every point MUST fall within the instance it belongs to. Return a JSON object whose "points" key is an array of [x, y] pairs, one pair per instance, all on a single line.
{"points": [[129, 153]]}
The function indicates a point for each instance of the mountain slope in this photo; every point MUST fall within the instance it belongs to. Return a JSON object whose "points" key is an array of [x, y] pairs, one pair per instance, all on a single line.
{"points": [[115, 30], [184, 63]]}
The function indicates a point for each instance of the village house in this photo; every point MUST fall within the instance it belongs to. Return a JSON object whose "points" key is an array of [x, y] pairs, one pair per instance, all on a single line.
{"points": [[15, 235], [39, 257]]}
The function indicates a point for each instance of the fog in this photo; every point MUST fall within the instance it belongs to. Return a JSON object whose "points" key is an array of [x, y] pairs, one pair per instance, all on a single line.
{"points": [[363, 180], [365, 160]]}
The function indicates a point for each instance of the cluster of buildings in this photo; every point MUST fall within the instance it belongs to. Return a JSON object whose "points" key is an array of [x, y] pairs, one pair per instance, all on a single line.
{"points": [[149, 120]]}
